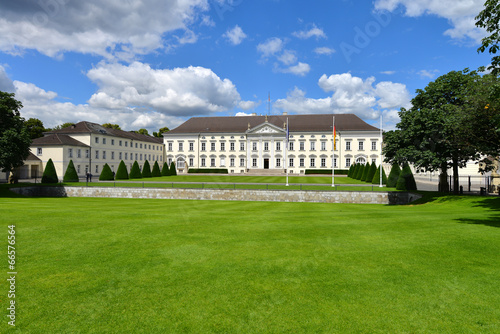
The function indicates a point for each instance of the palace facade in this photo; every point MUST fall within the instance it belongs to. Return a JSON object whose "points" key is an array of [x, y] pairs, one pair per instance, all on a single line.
{"points": [[244, 144]]}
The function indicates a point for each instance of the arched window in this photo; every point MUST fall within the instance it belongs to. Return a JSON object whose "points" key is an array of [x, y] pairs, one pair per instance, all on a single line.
{"points": [[181, 163], [360, 160]]}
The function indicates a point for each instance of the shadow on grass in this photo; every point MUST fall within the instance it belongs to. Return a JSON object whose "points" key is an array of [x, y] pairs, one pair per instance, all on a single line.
{"points": [[492, 204], [6, 193]]}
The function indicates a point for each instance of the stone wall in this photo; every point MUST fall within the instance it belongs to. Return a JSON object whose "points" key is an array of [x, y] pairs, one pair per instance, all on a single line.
{"points": [[389, 197]]}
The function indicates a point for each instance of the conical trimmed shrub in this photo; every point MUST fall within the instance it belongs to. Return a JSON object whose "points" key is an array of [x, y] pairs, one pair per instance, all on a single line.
{"points": [[49, 173], [349, 173], [106, 174], [146, 169], [364, 177], [70, 175], [371, 173], [156, 170], [165, 171], [406, 181], [173, 171], [121, 173], [376, 176], [359, 173], [392, 180], [135, 172], [355, 171]]}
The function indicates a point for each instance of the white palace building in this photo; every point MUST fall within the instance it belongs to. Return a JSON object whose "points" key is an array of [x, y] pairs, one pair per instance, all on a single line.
{"points": [[246, 144]]}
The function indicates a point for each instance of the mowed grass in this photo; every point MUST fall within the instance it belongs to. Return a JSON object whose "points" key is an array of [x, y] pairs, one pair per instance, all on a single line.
{"points": [[90, 265]]}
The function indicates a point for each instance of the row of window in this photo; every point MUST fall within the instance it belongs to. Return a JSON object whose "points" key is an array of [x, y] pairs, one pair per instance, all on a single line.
{"points": [[125, 142], [312, 146], [278, 161]]}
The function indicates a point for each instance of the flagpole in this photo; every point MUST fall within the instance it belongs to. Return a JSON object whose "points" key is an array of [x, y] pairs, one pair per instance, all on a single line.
{"points": [[381, 160], [333, 154], [286, 150]]}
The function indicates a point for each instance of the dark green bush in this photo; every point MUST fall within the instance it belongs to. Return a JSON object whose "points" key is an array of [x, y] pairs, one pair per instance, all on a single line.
{"points": [[50, 174], [70, 175], [146, 169], [371, 173], [173, 171], [364, 177], [156, 170], [392, 180], [135, 172], [165, 171], [406, 181], [376, 176], [326, 171], [359, 173], [351, 169], [121, 173], [355, 171], [106, 174], [208, 171]]}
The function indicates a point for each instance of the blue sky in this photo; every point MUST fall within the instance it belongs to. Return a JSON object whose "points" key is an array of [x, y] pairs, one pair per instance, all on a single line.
{"points": [[154, 63]]}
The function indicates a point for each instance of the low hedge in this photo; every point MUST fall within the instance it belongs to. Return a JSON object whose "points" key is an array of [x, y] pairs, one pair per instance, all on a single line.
{"points": [[326, 171], [208, 171]]}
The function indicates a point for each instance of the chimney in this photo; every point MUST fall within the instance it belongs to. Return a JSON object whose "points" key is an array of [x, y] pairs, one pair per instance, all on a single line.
{"points": [[285, 113]]}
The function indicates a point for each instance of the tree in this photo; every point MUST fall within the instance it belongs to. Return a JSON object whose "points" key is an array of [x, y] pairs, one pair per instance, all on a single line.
{"points": [[432, 134], [406, 181], [392, 180], [371, 172], [146, 169], [135, 172], [15, 139], [62, 126], [35, 128], [489, 18], [111, 126], [121, 173], [349, 173], [70, 175], [366, 171], [161, 132], [142, 132], [156, 170], [165, 171], [106, 174], [173, 171], [376, 176], [49, 173]]}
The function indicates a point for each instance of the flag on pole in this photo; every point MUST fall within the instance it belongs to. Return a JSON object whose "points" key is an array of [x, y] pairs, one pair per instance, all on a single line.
{"points": [[287, 131], [334, 136]]}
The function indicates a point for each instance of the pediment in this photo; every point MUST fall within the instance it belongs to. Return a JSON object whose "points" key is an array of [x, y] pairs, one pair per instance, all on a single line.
{"points": [[266, 128]]}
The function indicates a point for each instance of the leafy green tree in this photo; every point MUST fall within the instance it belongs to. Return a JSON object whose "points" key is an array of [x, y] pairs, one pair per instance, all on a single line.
{"points": [[15, 139], [121, 173], [355, 171], [49, 173], [71, 175], [106, 174], [135, 172], [406, 181], [156, 170], [173, 170], [146, 169], [361, 171], [349, 173], [62, 126], [35, 128], [161, 132], [376, 176], [489, 19], [371, 173], [165, 171], [111, 126], [366, 171], [392, 180]]}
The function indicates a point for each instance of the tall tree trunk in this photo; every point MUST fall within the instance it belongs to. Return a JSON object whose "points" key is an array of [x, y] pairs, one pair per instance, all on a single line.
{"points": [[443, 179], [455, 176]]}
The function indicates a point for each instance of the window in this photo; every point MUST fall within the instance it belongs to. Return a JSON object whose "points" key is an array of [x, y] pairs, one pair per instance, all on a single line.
{"points": [[140, 145], [323, 162], [203, 162], [136, 155], [242, 162], [361, 160], [119, 155], [278, 162], [231, 162], [97, 154], [374, 145], [313, 146], [86, 153], [120, 143], [212, 146], [104, 141], [149, 157], [191, 146], [140, 156], [254, 146], [126, 156], [278, 146], [203, 146], [112, 141], [335, 162], [323, 145], [301, 162], [39, 151], [361, 146], [373, 161], [97, 140], [170, 146], [112, 155], [348, 162], [212, 162], [126, 144], [181, 146], [266, 146], [347, 145], [231, 146], [191, 162], [313, 162], [290, 162], [70, 152], [96, 169], [104, 154], [222, 146], [242, 146], [301, 146], [149, 146], [78, 169], [290, 146], [223, 162], [254, 162], [79, 153]]}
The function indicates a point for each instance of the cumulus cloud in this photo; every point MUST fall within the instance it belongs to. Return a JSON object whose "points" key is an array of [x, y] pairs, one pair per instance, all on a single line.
{"points": [[58, 26], [428, 73], [300, 69], [179, 91], [288, 57], [249, 105], [459, 13], [235, 36], [324, 51], [270, 47], [313, 32]]}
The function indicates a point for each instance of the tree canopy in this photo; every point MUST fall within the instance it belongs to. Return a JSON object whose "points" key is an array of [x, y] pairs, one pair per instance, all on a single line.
{"points": [[489, 19], [35, 128], [111, 126], [161, 132], [15, 139]]}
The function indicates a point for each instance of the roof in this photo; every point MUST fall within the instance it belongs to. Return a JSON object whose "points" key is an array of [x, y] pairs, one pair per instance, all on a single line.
{"points": [[297, 123], [88, 127], [32, 157], [56, 139]]}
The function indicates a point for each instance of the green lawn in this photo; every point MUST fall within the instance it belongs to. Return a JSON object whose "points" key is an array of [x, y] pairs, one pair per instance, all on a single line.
{"points": [[173, 266]]}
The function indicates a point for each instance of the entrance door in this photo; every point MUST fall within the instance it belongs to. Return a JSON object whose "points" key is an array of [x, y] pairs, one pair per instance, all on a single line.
{"points": [[266, 163]]}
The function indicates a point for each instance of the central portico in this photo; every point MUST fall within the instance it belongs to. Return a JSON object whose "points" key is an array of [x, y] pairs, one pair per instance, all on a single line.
{"points": [[266, 143]]}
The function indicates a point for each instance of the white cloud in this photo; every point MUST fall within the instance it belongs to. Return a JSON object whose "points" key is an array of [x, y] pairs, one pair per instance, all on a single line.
{"points": [[313, 32], [392, 95], [297, 102], [428, 73], [288, 57], [301, 69], [270, 47], [112, 28], [180, 91], [324, 51], [388, 72], [235, 36], [249, 105], [6, 84], [459, 13]]}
